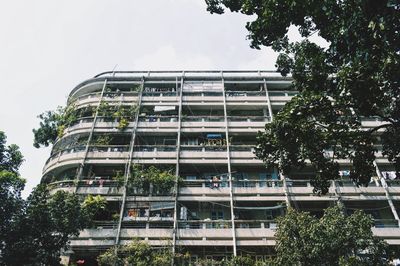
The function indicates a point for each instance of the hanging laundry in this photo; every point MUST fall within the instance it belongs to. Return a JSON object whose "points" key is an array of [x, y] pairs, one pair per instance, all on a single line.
{"points": [[344, 173], [389, 175]]}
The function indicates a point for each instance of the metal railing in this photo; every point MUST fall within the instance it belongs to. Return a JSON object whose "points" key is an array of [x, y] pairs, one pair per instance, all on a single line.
{"points": [[160, 94], [393, 183], [154, 148], [244, 93], [205, 224], [108, 148], [155, 118], [202, 93], [386, 223], [283, 93]]}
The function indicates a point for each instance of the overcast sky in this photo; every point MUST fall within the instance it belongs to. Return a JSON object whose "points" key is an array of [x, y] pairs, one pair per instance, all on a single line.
{"points": [[48, 47]]}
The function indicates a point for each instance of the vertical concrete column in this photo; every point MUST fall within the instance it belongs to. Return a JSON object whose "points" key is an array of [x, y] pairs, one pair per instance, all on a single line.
{"points": [[281, 176], [388, 197], [128, 164], [82, 164], [268, 100], [285, 189], [178, 148], [228, 157]]}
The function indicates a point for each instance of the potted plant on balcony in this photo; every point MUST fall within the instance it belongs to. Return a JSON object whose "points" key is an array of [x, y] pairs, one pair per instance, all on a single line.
{"points": [[119, 177], [162, 181]]}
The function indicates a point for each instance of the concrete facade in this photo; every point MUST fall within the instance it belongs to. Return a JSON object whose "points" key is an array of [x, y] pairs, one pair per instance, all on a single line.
{"points": [[202, 125]]}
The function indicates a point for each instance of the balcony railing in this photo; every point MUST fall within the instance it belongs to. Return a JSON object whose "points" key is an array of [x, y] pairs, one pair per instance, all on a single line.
{"points": [[155, 148], [202, 183], [257, 183], [203, 119], [158, 118], [393, 183], [243, 224], [106, 95], [202, 94], [245, 93], [160, 94], [283, 93], [386, 223], [205, 224], [249, 119], [114, 148]]}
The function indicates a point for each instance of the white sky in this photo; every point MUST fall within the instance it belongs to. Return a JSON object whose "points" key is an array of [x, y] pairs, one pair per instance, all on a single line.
{"points": [[48, 47]]}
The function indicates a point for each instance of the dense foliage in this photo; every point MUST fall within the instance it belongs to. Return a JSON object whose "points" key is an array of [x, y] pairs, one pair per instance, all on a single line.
{"points": [[141, 253], [136, 253], [10, 156], [53, 123], [301, 239], [141, 178], [42, 227], [119, 113], [34, 231], [334, 239], [356, 76], [11, 186], [95, 207]]}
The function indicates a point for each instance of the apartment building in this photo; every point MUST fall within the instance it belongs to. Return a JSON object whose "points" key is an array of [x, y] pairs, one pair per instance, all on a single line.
{"points": [[202, 127]]}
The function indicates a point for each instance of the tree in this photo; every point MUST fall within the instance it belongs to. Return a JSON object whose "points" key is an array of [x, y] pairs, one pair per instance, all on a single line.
{"points": [[141, 253], [47, 133], [33, 231], [137, 253], [355, 77], [10, 156], [42, 228], [334, 239], [11, 186], [53, 124]]}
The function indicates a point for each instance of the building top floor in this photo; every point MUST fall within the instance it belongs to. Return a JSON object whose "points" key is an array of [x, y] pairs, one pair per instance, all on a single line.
{"points": [[191, 80]]}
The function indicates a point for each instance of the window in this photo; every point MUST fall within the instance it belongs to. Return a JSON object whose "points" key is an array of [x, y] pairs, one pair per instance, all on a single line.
{"points": [[217, 215], [191, 177]]}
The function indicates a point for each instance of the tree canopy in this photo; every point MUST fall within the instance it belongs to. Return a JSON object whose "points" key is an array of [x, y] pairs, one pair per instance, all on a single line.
{"points": [[301, 239], [53, 124], [138, 253], [41, 228], [334, 239], [10, 156], [356, 77], [33, 231], [141, 253]]}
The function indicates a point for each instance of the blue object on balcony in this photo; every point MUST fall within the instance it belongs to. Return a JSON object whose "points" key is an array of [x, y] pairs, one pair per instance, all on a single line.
{"points": [[214, 136]]}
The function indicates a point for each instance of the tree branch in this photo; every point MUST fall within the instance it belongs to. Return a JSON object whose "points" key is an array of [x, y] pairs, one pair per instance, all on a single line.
{"points": [[379, 127]]}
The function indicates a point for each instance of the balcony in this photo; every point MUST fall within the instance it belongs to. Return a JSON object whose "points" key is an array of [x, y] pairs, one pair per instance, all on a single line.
{"points": [[95, 186], [94, 98], [250, 98], [388, 230], [157, 123], [155, 154], [279, 98], [204, 233], [371, 122], [243, 154], [203, 154], [201, 123], [154, 123], [200, 97], [350, 190], [158, 97], [64, 157], [247, 123]]}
